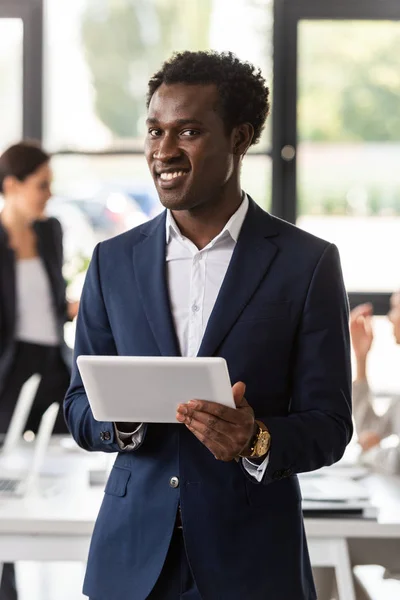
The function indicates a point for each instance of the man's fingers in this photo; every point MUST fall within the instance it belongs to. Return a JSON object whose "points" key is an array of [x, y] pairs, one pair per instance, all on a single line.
{"points": [[210, 423], [230, 415], [238, 391], [216, 442]]}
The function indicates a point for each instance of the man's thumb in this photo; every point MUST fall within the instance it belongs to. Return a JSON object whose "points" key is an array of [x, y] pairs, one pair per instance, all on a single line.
{"points": [[238, 391]]}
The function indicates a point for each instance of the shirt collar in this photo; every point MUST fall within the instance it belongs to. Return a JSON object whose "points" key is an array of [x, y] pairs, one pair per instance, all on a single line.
{"points": [[233, 226]]}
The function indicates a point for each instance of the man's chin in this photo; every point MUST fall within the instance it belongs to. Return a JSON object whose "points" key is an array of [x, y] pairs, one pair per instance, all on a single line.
{"points": [[175, 201]]}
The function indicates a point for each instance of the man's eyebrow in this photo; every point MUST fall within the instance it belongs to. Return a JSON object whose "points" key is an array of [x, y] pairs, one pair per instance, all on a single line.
{"points": [[180, 122], [189, 122]]}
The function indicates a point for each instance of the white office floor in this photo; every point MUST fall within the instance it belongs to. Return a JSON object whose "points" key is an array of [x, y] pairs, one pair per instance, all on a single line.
{"points": [[63, 581]]}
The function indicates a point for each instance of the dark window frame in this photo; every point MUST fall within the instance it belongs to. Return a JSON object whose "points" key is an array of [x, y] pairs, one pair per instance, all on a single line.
{"points": [[287, 14], [31, 14]]}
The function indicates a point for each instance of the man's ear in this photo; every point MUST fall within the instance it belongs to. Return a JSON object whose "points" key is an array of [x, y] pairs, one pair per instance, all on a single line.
{"points": [[242, 137]]}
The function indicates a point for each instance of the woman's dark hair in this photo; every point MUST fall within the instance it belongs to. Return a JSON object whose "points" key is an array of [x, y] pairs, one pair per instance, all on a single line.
{"points": [[21, 160], [243, 93]]}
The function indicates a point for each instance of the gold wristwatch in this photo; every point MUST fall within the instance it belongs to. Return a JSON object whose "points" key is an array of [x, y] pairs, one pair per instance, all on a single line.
{"points": [[261, 441]]}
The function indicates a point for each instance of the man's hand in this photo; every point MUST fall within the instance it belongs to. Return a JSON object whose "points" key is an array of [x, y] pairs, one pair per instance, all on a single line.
{"points": [[361, 330], [225, 431]]}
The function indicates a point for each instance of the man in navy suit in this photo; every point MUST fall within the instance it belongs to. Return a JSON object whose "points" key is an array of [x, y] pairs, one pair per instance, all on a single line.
{"points": [[211, 509]]}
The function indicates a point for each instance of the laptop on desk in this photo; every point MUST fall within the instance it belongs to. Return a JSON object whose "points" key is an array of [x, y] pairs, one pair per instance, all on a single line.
{"points": [[330, 496], [15, 483]]}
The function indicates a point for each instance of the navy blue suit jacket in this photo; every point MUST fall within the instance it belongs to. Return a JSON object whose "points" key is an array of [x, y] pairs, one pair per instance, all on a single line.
{"points": [[281, 322]]}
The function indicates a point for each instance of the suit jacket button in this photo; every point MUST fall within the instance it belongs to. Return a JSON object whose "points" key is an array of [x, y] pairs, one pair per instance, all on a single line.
{"points": [[174, 482], [105, 436], [277, 475]]}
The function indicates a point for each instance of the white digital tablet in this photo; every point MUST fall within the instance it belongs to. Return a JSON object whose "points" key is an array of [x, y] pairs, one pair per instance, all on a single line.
{"points": [[149, 389]]}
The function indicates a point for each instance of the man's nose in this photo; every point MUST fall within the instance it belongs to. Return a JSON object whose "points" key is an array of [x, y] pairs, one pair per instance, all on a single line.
{"points": [[167, 149]]}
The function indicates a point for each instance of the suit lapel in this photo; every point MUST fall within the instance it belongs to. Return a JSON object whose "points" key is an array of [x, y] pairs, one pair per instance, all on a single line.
{"points": [[150, 273], [251, 259]]}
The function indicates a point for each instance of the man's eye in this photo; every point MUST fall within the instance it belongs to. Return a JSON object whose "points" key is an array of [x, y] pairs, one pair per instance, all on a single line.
{"points": [[190, 132], [154, 132]]}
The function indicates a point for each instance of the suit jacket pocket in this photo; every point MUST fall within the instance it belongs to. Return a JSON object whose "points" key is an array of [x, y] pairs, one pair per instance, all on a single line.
{"points": [[117, 482], [278, 495]]}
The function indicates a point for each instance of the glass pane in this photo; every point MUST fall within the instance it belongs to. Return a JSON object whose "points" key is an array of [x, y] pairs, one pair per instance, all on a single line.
{"points": [[349, 145], [257, 179], [11, 41], [100, 55]]}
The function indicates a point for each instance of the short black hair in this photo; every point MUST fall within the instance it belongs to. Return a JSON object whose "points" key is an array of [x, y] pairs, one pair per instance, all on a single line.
{"points": [[21, 160], [243, 93]]}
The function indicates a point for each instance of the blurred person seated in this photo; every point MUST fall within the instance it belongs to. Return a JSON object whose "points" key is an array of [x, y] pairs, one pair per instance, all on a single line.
{"points": [[33, 306], [371, 428]]}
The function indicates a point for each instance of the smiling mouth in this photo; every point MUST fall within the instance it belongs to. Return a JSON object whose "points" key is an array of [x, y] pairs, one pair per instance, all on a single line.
{"points": [[171, 179], [168, 176]]}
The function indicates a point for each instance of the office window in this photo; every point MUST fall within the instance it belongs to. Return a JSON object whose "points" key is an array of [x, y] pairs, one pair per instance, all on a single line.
{"points": [[349, 145], [11, 40], [99, 56]]}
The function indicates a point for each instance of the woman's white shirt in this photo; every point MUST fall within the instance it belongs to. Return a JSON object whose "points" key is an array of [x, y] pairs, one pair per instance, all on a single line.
{"points": [[385, 459], [36, 321]]}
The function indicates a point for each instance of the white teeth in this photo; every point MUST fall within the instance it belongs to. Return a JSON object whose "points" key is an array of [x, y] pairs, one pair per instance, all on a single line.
{"points": [[168, 176]]}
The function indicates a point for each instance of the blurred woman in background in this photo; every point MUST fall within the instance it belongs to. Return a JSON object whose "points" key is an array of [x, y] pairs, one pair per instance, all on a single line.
{"points": [[33, 306], [372, 428]]}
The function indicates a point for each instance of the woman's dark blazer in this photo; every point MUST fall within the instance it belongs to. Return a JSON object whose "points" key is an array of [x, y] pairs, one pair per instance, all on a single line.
{"points": [[50, 249]]}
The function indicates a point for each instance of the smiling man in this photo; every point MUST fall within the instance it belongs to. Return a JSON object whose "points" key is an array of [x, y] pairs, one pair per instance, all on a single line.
{"points": [[211, 509]]}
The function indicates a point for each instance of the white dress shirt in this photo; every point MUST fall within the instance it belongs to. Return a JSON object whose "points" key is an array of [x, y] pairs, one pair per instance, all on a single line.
{"points": [[194, 280]]}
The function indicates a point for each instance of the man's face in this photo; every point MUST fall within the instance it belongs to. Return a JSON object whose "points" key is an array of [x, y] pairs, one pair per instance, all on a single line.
{"points": [[394, 315], [187, 148]]}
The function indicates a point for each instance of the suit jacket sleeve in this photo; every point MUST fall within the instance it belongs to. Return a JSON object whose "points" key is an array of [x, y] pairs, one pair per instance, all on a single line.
{"points": [[93, 336], [319, 424]]}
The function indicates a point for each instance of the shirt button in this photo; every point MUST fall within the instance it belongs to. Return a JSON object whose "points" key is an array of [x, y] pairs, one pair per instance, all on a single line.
{"points": [[174, 482], [195, 308]]}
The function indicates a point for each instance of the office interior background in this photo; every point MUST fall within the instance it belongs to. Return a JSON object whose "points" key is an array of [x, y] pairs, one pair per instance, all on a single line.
{"points": [[73, 74]]}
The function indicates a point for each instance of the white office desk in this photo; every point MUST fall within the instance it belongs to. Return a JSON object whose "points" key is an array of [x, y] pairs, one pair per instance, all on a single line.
{"points": [[59, 529], [345, 542]]}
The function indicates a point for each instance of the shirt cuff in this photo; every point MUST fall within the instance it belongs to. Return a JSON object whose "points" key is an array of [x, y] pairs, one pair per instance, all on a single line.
{"points": [[130, 440], [256, 471]]}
